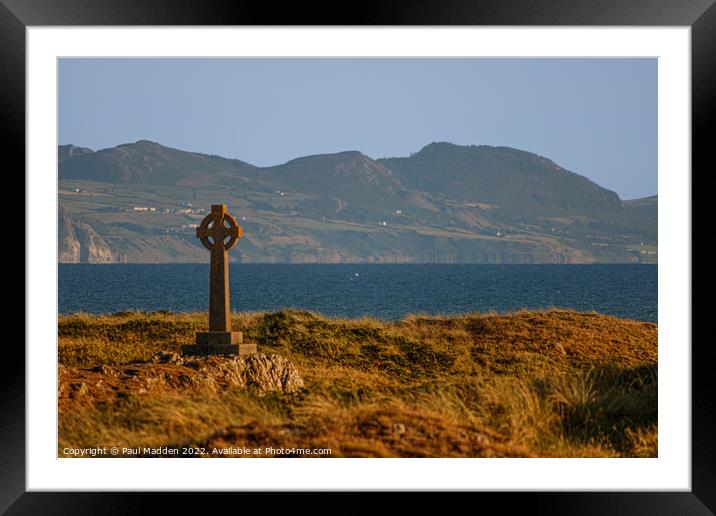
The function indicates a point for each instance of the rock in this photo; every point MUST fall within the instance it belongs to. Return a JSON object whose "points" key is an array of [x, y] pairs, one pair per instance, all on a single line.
{"points": [[79, 390], [78, 242], [106, 370], [271, 373], [67, 243], [167, 357], [265, 373]]}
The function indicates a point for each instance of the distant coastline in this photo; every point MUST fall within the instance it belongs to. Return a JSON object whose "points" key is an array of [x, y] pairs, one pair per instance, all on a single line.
{"points": [[141, 202]]}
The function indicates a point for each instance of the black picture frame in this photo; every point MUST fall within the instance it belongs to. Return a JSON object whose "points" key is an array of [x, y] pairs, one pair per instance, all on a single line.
{"points": [[700, 15]]}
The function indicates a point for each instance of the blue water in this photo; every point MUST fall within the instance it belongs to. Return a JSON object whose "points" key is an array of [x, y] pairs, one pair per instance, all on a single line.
{"points": [[382, 291]]}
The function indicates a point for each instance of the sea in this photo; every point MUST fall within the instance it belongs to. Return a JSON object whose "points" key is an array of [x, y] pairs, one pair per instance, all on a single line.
{"points": [[388, 292]]}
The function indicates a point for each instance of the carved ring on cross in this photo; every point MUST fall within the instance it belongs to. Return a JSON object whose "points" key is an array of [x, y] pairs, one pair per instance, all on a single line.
{"points": [[219, 229]]}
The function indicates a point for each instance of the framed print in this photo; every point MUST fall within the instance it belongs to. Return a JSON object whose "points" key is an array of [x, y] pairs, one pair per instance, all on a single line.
{"points": [[408, 249]]}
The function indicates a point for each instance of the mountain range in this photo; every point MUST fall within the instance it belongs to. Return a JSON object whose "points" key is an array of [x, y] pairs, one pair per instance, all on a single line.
{"points": [[449, 203]]}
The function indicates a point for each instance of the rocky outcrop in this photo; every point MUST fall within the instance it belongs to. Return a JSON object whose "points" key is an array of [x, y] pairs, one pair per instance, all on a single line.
{"points": [[77, 242], [265, 373], [68, 246], [168, 373]]}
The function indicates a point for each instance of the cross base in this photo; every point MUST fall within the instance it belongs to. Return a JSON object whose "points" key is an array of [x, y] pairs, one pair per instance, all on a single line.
{"points": [[219, 343], [218, 338], [241, 350]]}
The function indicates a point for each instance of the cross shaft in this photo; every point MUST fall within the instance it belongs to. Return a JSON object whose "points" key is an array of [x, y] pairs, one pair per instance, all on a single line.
{"points": [[213, 231]]}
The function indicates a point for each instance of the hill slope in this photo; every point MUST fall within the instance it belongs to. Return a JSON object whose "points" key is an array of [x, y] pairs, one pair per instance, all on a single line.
{"points": [[69, 151], [446, 203], [516, 183], [350, 176], [647, 207], [150, 163]]}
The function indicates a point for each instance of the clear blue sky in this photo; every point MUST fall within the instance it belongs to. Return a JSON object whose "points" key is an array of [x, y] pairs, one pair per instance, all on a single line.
{"points": [[596, 117]]}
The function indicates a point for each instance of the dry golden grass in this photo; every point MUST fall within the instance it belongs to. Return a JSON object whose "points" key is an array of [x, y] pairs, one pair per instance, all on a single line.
{"points": [[553, 383]]}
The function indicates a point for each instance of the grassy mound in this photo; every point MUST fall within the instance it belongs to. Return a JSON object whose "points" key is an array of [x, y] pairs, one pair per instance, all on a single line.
{"points": [[532, 383]]}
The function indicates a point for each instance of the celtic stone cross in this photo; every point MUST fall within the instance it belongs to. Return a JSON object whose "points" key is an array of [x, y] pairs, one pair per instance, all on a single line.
{"points": [[219, 232]]}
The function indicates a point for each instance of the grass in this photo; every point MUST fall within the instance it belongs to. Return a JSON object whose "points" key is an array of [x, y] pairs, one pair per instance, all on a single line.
{"points": [[551, 383]]}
